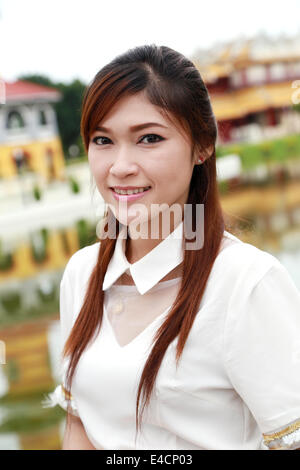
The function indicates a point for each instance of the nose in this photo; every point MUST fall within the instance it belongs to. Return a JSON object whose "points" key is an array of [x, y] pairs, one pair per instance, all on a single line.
{"points": [[124, 163]]}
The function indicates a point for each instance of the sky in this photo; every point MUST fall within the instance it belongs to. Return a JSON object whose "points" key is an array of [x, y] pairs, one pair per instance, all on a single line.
{"points": [[70, 39]]}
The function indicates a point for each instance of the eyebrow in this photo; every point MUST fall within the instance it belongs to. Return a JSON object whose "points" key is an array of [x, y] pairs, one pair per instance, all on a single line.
{"points": [[136, 128]]}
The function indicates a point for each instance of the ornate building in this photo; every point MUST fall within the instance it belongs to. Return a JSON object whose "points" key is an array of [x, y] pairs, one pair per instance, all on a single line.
{"points": [[29, 137], [252, 83]]}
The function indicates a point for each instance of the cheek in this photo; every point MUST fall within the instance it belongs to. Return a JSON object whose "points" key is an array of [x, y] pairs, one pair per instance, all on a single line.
{"points": [[175, 166], [97, 167], [92, 161]]}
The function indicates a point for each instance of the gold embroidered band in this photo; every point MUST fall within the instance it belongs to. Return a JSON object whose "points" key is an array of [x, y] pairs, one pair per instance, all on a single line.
{"points": [[278, 435]]}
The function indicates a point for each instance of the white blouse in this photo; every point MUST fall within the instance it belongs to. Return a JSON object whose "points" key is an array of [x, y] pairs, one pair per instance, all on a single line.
{"points": [[237, 385]]}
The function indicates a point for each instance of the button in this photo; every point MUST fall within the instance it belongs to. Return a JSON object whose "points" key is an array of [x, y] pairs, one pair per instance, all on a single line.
{"points": [[117, 307]]}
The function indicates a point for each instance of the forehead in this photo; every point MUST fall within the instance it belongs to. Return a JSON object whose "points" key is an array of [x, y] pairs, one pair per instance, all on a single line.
{"points": [[134, 109]]}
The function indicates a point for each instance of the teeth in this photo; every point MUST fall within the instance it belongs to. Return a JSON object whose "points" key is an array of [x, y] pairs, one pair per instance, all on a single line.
{"points": [[130, 191]]}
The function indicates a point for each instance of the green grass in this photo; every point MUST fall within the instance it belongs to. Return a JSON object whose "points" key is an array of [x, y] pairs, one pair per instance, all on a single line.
{"points": [[26, 414], [269, 151], [45, 309]]}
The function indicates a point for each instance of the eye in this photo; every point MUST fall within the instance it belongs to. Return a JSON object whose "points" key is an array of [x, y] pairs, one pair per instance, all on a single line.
{"points": [[98, 138], [154, 138]]}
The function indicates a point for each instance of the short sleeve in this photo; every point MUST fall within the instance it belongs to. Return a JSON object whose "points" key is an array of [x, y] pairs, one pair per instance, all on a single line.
{"points": [[262, 355], [60, 395]]}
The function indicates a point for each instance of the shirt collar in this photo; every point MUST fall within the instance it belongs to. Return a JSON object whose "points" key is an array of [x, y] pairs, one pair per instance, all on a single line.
{"points": [[149, 270]]}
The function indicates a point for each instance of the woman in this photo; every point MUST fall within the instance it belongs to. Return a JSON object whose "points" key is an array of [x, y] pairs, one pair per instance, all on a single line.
{"points": [[171, 344]]}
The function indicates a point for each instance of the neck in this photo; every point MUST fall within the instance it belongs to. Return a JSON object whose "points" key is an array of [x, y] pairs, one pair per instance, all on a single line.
{"points": [[138, 247]]}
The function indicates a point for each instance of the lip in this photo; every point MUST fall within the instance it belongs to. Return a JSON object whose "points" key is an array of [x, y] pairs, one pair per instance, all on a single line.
{"points": [[130, 187], [128, 197]]}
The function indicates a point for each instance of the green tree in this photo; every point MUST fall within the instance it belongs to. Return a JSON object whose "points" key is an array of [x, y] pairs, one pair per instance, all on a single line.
{"points": [[68, 110]]}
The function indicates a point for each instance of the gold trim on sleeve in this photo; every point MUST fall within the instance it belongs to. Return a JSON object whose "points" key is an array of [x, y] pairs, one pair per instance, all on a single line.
{"points": [[280, 434]]}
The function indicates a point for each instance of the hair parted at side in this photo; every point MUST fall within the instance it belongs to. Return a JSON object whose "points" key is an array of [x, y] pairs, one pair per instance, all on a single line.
{"points": [[172, 82]]}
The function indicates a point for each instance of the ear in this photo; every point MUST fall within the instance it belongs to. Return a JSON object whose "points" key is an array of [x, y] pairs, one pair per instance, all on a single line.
{"points": [[200, 156]]}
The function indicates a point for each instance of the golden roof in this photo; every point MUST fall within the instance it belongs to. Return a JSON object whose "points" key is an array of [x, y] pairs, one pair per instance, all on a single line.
{"points": [[238, 103]]}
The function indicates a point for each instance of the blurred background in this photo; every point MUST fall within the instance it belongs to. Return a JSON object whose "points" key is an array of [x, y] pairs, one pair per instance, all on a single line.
{"points": [[249, 58]]}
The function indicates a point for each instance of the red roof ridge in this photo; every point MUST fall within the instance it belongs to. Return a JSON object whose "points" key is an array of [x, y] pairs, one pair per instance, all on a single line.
{"points": [[24, 89]]}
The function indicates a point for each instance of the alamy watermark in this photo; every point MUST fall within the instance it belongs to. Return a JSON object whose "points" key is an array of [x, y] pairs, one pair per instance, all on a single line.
{"points": [[156, 222]]}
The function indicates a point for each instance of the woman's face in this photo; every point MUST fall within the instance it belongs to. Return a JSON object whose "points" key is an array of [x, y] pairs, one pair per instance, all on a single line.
{"points": [[136, 146]]}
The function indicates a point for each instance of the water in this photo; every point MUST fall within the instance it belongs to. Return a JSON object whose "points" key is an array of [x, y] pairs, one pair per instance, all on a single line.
{"points": [[291, 261]]}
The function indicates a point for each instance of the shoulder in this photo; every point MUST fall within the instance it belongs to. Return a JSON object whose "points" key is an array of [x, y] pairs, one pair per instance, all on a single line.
{"points": [[82, 262], [244, 256], [255, 279], [242, 264]]}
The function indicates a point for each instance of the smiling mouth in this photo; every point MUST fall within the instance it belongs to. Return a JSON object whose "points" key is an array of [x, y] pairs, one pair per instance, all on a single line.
{"points": [[127, 192]]}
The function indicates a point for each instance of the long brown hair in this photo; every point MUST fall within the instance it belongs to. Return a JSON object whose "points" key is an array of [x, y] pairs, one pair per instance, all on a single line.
{"points": [[173, 83]]}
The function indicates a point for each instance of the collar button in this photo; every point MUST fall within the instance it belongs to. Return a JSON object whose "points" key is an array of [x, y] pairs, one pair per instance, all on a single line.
{"points": [[117, 307]]}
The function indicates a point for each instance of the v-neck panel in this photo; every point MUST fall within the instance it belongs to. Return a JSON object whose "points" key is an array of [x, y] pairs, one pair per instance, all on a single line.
{"points": [[139, 335]]}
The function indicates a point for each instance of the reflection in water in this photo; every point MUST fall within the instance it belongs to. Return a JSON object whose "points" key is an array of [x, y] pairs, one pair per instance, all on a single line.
{"points": [[291, 261]]}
